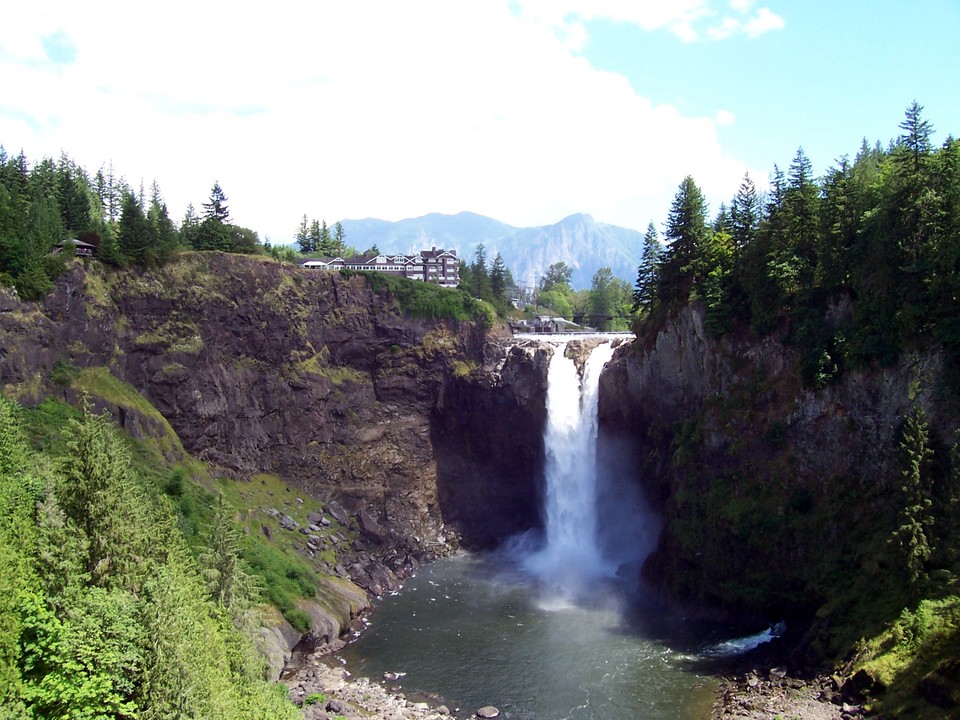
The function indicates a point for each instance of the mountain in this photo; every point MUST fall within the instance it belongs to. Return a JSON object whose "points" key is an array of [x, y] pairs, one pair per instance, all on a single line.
{"points": [[461, 232], [584, 244]]}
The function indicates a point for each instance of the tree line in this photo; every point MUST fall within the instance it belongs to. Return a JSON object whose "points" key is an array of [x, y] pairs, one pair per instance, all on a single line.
{"points": [[851, 268], [49, 205]]}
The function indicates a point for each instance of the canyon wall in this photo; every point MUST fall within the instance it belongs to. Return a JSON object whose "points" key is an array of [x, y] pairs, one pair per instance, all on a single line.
{"points": [[773, 495], [320, 379]]}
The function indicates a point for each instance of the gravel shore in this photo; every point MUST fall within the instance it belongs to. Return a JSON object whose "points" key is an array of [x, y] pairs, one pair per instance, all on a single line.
{"points": [[761, 695], [330, 693]]}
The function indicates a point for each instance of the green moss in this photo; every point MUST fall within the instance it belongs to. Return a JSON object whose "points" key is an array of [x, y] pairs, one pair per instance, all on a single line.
{"points": [[463, 369], [337, 374], [178, 337]]}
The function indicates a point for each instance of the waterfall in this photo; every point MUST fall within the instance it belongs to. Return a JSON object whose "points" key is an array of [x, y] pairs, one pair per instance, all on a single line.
{"points": [[571, 553]]}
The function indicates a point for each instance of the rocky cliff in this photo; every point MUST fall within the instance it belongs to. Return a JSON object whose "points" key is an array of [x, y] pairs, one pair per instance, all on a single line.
{"points": [[403, 428], [775, 498]]}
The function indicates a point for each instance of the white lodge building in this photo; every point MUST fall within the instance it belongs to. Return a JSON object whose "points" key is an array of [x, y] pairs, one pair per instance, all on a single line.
{"points": [[441, 267]]}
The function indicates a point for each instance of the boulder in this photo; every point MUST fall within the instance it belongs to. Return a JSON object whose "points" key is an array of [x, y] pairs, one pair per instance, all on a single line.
{"points": [[487, 712], [338, 513]]}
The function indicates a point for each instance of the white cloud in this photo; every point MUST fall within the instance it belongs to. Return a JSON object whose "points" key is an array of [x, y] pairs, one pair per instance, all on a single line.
{"points": [[687, 19], [359, 109], [728, 27], [724, 117], [762, 22]]}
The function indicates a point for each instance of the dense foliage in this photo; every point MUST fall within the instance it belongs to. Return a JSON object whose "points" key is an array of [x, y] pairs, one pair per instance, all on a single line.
{"points": [[104, 612], [851, 268], [48, 209]]}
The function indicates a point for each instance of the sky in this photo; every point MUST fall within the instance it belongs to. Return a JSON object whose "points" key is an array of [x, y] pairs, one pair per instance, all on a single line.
{"points": [[523, 110]]}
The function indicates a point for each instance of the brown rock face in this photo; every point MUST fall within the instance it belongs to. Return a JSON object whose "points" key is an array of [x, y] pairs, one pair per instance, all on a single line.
{"points": [[488, 437], [312, 376], [769, 491]]}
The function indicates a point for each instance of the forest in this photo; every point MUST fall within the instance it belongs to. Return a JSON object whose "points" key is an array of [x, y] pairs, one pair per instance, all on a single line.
{"points": [[851, 268]]}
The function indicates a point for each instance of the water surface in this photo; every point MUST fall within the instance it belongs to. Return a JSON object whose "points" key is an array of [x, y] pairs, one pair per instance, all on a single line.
{"points": [[478, 632]]}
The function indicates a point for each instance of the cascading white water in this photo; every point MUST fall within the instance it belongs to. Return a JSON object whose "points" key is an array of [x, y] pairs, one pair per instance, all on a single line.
{"points": [[571, 552]]}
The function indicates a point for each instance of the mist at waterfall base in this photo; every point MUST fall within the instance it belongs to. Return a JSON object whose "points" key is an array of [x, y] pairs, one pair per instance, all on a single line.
{"points": [[550, 626]]}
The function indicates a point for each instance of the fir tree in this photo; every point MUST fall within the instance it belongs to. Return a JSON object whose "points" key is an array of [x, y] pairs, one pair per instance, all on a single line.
{"points": [[645, 289], [686, 234], [915, 520]]}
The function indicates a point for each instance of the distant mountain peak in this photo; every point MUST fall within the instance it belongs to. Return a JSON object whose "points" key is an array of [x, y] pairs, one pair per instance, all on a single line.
{"points": [[578, 240]]}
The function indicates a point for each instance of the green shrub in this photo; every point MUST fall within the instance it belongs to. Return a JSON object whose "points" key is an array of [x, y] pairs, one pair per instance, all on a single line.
{"points": [[315, 698]]}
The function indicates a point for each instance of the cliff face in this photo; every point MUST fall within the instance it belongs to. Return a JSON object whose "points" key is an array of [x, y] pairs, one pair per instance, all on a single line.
{"points": [[773, 495], [489, 443], [313, 377]]}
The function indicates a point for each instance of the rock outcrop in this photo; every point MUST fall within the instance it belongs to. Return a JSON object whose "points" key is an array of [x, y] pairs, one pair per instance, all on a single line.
{"points": [[400, 425], [771, 493]]}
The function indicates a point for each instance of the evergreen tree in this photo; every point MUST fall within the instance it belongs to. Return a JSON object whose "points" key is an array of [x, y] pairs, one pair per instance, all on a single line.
{"points": [[304, 241], [686, 233], [325, 243], [744, 214], [339, 238], [163, 233], [645, 290], [916, 138], [227, 581], [216, 207], [916, 519], [190, 228], [72, 196], [133, 235], [498, 279], [480, 276]]}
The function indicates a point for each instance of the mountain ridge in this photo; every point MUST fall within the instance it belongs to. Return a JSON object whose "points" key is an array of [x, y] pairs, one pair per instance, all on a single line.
{"points": [[580, 241]]}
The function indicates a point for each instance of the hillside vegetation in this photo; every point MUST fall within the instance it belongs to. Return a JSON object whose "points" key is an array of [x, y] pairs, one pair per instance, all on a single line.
{"points": [[105, 609]]}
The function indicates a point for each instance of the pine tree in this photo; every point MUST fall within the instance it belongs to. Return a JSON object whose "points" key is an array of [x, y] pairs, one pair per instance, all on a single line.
{"points": [[325, 244], [339, 237], [190, 228], [916, 137], [686, 234], [216, 207], [645, 289], [303, 237], [744, 214], [229, 584], [916, 519], [133, 234], [481, 277], [498, 278]]}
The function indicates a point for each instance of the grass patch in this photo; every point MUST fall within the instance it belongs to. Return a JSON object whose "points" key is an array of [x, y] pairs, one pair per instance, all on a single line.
{"points": [[100, 382], [429, 301], [915, 659], [317, 365]]}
